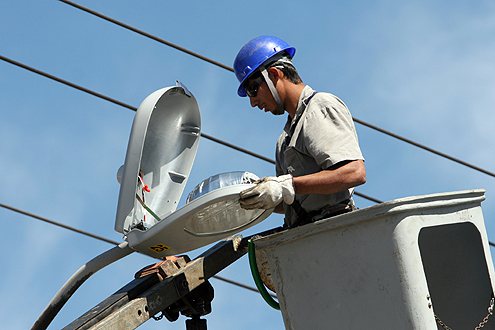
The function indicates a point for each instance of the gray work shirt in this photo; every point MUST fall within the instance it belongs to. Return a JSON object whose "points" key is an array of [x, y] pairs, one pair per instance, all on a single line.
{"points": [[320, 135]]}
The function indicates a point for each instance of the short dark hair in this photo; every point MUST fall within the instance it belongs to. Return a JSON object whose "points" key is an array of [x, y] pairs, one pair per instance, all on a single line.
{"points": [[289, 71], [284, 64]]}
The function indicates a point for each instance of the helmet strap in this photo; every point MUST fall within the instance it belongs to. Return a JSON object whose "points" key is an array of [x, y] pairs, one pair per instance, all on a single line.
{"points": [[280, 108]]}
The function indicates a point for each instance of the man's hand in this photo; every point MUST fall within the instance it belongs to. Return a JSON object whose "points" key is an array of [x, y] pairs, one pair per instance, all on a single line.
{"points": [[268, 193]]}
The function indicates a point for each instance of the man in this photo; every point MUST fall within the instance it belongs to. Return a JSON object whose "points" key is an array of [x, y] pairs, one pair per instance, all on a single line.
{"points": [[318, 159]]}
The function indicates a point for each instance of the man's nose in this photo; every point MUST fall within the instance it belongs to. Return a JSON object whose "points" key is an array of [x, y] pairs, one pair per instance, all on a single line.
{"points": [[253, 102]]}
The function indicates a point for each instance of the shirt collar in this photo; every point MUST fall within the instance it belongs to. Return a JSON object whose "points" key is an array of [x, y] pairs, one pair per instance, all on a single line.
{"points": [[301, 106]]}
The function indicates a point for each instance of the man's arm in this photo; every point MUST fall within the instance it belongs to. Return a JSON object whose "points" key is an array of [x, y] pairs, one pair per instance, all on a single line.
{"points": [[271, 191], [342, 176]]}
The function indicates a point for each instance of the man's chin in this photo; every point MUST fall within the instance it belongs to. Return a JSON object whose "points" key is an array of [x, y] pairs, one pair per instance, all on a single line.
{"points": [[278, 112]]}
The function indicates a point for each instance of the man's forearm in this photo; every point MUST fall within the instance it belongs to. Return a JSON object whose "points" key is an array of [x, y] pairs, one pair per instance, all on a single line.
{"points": [[330, 181]]}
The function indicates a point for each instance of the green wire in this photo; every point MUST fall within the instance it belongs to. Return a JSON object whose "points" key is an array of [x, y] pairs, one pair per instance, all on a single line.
{"points": [[257, 279], [147, 208]]}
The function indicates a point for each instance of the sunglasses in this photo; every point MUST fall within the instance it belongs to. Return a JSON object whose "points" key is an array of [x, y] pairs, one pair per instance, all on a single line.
{"points": [[252, 85]]}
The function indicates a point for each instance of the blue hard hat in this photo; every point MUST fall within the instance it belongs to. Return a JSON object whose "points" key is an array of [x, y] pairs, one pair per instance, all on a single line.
{"points": [[255, 53]]}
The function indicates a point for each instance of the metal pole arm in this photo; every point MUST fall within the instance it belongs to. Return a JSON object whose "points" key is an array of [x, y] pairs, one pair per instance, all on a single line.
{"points": [[145, 297], [76, 280]]}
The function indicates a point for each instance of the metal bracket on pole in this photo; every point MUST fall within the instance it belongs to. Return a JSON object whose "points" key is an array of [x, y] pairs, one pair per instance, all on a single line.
{"points": [[143, 298]]}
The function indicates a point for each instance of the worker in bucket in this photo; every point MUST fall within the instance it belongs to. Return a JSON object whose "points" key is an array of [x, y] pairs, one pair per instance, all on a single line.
{"points": [[318, 159]]}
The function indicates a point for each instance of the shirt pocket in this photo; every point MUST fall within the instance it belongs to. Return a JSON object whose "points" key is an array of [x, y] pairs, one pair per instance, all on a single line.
{"points": [[297, 163], [292, 159]]}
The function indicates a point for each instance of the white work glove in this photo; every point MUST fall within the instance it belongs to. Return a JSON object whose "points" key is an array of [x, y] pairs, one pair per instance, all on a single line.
{"points": [[268, 193]]}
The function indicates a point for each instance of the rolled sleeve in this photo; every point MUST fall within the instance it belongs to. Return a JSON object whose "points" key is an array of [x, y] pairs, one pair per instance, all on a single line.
{"points": [[330, 135]]}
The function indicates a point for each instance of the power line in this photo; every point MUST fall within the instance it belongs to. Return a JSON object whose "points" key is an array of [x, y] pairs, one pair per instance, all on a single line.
{"points": [[209, 137], [204, 58], [123, 104], [416, 144], [368, 197], [244, 286], [101, 238], [68, 83], [117, 102], [133, 108], [233, 146], [106, 240], [148, 35], [58, 224]]}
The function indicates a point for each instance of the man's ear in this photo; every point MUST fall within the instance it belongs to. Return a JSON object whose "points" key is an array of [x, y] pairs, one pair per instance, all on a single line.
{"points": [[275, 73]]}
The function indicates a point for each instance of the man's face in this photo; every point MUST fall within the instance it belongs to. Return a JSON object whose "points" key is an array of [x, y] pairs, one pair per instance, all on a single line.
{"points": [[259, 94]]}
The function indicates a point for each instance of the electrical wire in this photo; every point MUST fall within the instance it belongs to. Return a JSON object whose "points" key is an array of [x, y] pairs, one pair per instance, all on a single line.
{"points": [[82, 232], [207, 136], [204, 58], [148, 35], [421, 146], [58, 224], [133, 108], [94, 236], [247, 287], [67, 83], [106, 240], [123, 104]]}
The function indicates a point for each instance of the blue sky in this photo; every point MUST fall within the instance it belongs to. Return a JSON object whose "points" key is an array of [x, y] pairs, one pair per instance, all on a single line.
{"points": [[422, 69]]}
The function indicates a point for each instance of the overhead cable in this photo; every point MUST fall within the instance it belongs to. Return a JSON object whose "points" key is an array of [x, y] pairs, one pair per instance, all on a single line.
{"points": [[416, 144], [247, 287], [122, 104], [148, 35], [133, 108], [106, 240], [204, 58], [209, 137], [58, 224], [101, 238], [65, 82]]}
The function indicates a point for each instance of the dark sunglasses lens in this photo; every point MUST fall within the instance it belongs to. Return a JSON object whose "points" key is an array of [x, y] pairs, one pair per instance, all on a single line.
{"points": [[252, 91], [252, 86]]}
